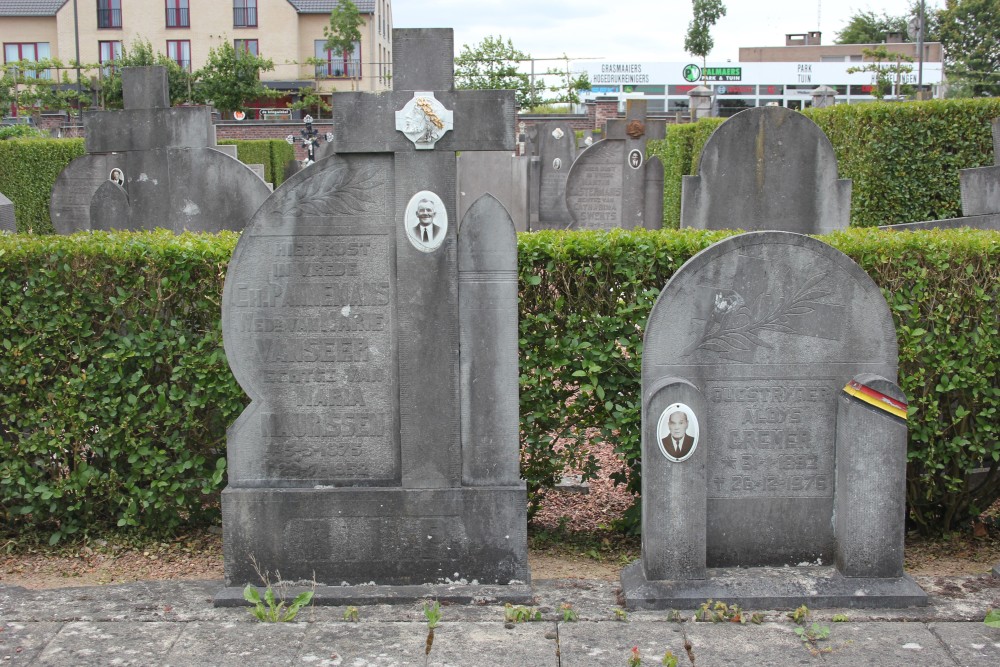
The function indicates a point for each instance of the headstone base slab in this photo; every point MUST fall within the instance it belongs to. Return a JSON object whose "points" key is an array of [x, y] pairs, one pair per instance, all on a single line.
{"points": [[989, 221], [770, 588], [337, 596], [376, 536]]}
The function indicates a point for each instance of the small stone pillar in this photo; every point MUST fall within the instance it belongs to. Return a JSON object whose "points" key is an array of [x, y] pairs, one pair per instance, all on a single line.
{"points": [[823, 97], [702, 103]]}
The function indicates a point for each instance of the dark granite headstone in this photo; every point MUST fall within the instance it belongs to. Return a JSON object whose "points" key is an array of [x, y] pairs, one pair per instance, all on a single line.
{"points": [[556, 153], [499, 173], [7, 221], [776, 356], [612, 183], [767, 168], [377, 340], [174, 176]]}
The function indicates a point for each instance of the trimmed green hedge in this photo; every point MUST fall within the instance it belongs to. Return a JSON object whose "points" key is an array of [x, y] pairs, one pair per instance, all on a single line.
{"points": [[115, 393], [28, 170], [274, 154], [902, 157]]}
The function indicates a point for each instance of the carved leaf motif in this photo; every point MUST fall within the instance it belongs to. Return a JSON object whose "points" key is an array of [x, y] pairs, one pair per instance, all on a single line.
{"points": [[736, 329], [340, 191]]}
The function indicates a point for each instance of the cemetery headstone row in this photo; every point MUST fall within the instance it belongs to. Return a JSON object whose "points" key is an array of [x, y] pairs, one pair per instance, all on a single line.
{"points": [[151, 166]]}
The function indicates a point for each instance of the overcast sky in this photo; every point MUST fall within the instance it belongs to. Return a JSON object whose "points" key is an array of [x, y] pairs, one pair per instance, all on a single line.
{"points": [[631, 30]]}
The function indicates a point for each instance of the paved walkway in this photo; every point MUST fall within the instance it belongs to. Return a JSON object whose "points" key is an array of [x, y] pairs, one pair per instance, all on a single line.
{"points": [[174, 623]]}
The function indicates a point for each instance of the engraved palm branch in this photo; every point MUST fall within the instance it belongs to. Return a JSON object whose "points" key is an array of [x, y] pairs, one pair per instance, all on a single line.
{"points": [[736, 326], [342, 191]]}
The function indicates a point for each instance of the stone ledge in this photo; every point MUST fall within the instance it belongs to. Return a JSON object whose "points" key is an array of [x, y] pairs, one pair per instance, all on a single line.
{"points": [[770, 588], [326, 596]]}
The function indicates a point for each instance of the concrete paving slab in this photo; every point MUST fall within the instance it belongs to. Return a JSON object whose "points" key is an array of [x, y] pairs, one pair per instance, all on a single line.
{"points": [[765, 645], [236, 644], [589, 644], [910, 644], [20, 643], [87, 644], [455, 644], [969, 644]]}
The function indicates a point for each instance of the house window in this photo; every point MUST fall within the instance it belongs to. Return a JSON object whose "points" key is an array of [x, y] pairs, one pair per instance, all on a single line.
{"points": [[246, 46], [179, 50], [31, 51], [107, 53], [244, 13], [109, 13], [178, 14], [338, 65]]}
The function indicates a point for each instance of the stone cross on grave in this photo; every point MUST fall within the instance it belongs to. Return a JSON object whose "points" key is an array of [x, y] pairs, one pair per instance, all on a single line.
{"points": [[423, 121], [378, 343]]}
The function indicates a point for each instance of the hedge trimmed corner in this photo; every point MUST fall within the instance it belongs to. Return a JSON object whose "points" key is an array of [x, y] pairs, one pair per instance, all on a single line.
{"points": [[115, 394], [274, 154], [903, 158], [28, 170]]}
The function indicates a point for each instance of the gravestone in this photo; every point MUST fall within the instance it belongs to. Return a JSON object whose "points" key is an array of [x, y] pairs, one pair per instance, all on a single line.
{"points": [[773, 434], [767, 168], [379, 456], [499, 173], [556, 154], [7, 222], [151, 166], [612, 184]]}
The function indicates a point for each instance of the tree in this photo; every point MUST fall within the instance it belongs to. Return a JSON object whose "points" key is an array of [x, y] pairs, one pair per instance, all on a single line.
{"points": [[888, 69], [568, 87], [872, 28], [344, 29], [230, 79], [140, 54], [494, 64], [970, 34], [698, 41]]}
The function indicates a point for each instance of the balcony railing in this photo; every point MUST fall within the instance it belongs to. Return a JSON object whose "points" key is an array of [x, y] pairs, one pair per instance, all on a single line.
{"points": [[109, 18], [244, 17], [178, 18], [338, 70]]}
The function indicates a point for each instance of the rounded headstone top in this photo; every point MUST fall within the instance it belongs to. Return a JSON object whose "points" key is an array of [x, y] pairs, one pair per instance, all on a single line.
{"points": [[770, 299]]}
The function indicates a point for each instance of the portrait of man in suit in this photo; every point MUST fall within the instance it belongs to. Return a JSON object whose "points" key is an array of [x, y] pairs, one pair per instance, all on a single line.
{"points": [[426, 221], [677, 435]]}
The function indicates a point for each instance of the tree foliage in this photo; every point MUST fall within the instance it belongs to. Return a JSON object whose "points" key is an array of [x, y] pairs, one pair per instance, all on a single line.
{"points": [[494, 64], [230, 79], [698, 40], [970, 34], [887, 69], [344, 29], [871, 28]]}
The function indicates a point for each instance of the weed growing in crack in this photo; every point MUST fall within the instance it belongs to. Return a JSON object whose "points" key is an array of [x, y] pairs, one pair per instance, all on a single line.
{"points": [[620, 614], [432, 612], [720, 612], [569, 615], [634, 659], [669, 659], [352, 615], [512, 614], [271, 607]]}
